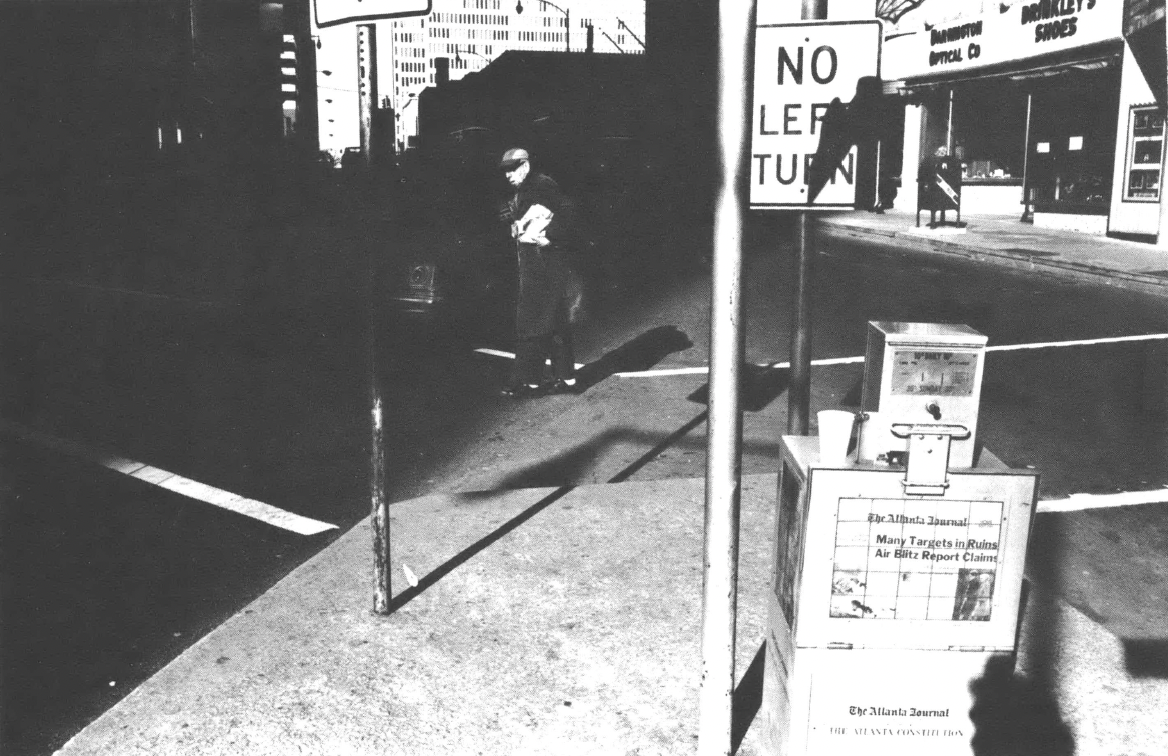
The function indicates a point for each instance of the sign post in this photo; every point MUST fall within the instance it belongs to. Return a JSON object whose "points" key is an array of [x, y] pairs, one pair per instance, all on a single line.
{"points": [[724, 427], [335, 13], [800, 69]]}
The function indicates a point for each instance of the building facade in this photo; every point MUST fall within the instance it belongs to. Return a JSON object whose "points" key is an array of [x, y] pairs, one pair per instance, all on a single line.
{"points": [[468, 35], [1046, 104]]}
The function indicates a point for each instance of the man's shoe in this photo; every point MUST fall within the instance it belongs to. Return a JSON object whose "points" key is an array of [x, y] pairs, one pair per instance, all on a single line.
{"points": [[563, 387], [522, 390]]}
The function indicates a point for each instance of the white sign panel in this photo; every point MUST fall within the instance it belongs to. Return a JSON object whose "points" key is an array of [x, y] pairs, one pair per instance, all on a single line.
{"points": [[865, 704], [333, 12], [1005, 33], [798, 69]]}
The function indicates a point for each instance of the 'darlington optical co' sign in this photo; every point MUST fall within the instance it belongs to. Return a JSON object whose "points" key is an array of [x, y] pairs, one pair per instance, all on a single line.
{"points": [[798, 70]]}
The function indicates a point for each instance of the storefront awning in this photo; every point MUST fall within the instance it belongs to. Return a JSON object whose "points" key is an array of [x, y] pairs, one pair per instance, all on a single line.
{"points": [[1091, 58]]}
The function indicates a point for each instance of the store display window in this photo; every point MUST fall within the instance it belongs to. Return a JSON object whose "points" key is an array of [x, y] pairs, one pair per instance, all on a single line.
{"points": [[989, 132], [1145, 154]]}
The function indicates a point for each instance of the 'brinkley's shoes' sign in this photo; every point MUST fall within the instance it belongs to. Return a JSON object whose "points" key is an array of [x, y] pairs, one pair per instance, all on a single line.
{"points": [[1005, 32]]}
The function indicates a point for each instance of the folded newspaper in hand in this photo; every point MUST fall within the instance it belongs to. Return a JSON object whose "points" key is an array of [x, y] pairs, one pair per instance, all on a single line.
{"points": [[531, 227]]}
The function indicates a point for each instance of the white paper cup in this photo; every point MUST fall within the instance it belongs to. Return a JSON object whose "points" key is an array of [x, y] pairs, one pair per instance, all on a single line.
{"points": [[874, 434], [835, 431]]}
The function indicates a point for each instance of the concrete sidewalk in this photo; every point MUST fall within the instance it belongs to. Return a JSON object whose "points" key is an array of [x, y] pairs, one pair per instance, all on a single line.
{"points": [[1005, 241], [545, 621]]}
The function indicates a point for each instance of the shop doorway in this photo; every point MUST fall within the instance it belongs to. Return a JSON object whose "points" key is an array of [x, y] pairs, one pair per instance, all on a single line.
{"points": [[1072, 147]]}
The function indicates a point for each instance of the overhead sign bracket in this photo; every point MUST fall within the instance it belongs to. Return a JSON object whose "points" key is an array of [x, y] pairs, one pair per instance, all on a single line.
{"points": [[328, 13]]}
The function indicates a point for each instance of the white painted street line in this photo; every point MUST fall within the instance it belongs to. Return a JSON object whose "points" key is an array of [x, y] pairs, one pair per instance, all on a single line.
{"points": [[124, 466], [662, 372], [831, 361], [511, 355], [1077, 502], [854, 360], [1078, 342], [148, 474], [704, 370], [125, 292], [496, 353], [257, 510]]}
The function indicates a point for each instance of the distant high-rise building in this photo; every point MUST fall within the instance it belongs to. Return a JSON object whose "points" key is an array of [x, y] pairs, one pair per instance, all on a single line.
{"points": [[469, 34]]}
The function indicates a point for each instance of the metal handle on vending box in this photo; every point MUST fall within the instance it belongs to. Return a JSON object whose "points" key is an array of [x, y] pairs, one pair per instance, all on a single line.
{"points": [[927, 471], [950, 430]]}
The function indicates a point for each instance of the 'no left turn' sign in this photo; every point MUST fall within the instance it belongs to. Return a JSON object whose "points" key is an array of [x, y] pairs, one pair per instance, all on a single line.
{"points": [[798, 69]]}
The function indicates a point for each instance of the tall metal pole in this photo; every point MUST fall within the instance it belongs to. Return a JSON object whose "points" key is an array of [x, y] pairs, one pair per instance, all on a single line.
{"points": [[724, 429], [799, 389], [366, 86], [366, 97]]}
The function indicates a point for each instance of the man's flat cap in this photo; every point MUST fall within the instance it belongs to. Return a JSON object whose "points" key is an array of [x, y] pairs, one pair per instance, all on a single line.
{"points": [[512, 158]]}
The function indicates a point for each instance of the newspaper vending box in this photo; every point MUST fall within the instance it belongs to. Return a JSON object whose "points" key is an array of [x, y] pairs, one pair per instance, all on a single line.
{"points": [[920, 373], [894, 586]]}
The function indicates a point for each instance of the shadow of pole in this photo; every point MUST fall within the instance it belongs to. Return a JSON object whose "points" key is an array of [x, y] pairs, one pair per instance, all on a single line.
{"points": [[469, 552], [747, 699], [759, 386], [661, 446], [478, 546], [569, 466]]}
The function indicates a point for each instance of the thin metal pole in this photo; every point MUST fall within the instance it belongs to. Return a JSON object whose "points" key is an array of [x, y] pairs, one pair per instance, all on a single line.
{"points": [[1026, 162], [799, 388], [814, 10], [949, 127], [366, 97], [382, 580], [724, 429], [366, 87]]}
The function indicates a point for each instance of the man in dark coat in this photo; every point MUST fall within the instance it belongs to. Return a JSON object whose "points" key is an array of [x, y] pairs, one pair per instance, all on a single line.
{"points": [[540, 218]]}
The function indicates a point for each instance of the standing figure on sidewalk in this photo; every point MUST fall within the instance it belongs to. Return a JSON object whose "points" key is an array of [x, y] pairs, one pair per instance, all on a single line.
{"points": [[927, 175], [541, 220]]}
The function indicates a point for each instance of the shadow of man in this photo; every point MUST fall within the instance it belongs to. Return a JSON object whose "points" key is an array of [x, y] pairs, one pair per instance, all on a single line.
{"points": [[1015, 715], [640, 353]]}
